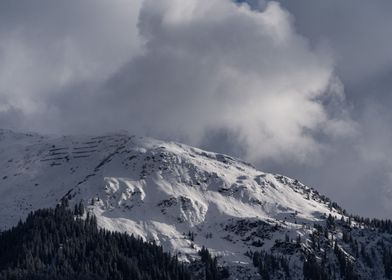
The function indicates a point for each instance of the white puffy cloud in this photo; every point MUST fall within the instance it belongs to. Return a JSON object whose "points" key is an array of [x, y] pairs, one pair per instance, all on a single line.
{"points": [[192, 67], [215, 65]]}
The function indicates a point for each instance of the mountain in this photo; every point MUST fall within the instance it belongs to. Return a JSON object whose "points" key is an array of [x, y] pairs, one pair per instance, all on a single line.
{"points": [[184, 199]]}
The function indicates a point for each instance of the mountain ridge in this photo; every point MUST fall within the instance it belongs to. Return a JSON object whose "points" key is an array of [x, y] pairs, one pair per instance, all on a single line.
{"points": [[181, 197]]}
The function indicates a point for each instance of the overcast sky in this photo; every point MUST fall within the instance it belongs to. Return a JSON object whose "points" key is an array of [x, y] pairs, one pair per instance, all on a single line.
{"points": [[301, 88]]}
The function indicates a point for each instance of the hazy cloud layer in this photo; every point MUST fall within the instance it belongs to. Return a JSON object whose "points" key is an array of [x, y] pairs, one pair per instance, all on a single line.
{"points": [[47, 47], [357, 31]]}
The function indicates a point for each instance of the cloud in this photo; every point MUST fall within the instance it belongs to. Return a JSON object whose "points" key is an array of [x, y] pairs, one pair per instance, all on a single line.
{"points": [[353, 170], [174, 69], [355, 30], [46, 47]]}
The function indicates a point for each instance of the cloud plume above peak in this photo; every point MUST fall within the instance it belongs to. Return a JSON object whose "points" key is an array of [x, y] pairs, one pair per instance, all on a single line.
{"points": [[175, 69]]}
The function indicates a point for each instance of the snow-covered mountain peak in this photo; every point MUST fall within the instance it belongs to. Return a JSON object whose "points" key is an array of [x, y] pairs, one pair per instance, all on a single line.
{"points": [[179, 196]]}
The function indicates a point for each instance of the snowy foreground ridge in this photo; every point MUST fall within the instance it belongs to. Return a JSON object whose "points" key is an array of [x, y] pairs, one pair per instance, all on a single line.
{"points": [[179, 196]]}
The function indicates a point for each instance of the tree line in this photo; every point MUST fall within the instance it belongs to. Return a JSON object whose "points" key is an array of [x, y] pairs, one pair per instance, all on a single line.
{"points": [[57, 244]]}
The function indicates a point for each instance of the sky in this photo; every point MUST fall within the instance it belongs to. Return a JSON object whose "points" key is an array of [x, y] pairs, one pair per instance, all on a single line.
{"points": [[301, 88]]}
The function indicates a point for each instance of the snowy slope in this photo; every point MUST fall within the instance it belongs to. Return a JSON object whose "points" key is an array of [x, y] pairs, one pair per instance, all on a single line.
{"points": [[179, 196]]}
